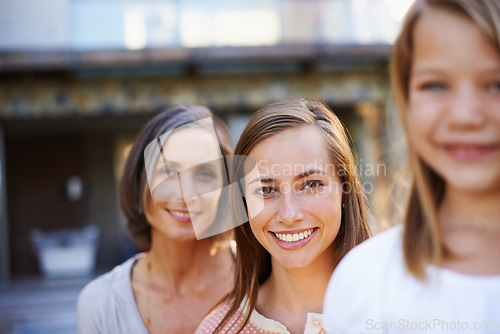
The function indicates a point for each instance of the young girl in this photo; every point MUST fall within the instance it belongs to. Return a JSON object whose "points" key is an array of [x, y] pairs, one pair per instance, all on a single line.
{"points": [[440, 272], [306, 211]]}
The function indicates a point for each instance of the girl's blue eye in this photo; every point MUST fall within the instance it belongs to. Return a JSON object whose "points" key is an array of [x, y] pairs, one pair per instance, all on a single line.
{"points": [[494, 87], [313, 184], [434, 86]]}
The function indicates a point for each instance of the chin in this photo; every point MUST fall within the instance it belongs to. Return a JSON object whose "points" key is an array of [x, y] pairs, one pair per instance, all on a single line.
{"points": [[294, 263], [182, 236], [476, 186]]}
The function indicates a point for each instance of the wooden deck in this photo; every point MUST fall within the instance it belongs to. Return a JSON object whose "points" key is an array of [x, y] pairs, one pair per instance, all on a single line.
{"points": [[39, 306]]}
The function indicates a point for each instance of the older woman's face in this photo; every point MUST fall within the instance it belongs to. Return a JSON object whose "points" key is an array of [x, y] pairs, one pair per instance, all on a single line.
{"points": [[186, 184], [295, 199]]}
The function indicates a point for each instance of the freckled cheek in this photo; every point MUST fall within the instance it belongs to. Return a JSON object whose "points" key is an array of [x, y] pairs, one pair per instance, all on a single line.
{"points": [[427, 105], [258, 225], [332, 194], [259, 213], [420, 126], [326, 206], [328, 213], [494, 111]]}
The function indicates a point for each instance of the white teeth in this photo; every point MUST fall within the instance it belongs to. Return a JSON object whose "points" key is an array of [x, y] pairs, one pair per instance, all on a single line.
{"points": [[467, 149], [470, 148], [293, 237], [180, 213]]}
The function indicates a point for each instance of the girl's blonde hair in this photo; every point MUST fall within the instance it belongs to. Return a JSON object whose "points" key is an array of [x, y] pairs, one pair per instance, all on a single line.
{"points": [[421, 240]]}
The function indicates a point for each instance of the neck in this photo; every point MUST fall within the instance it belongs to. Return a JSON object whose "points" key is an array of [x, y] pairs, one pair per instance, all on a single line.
{"points": [[295, 292], [470, 230], [180, 263], [467, 209]]}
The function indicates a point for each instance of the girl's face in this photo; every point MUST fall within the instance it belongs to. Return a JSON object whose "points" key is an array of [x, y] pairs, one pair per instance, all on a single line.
{"points": [[454, 102], [294, 202], [188, 186]]}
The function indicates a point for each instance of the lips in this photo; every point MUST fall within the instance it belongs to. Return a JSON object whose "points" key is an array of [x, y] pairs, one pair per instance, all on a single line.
{"points": [[181, 215], [470, 151]]}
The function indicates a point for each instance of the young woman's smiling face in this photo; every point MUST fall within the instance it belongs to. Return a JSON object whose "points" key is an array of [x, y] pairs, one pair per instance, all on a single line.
{"points": [[454, 101], [295, 200]]}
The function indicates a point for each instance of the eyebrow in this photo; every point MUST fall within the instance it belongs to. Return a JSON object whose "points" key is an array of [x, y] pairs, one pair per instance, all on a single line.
{"points": [[166, 163], [296, 178], [427, 69], [266, 180], [432, 68], [309, 173]]}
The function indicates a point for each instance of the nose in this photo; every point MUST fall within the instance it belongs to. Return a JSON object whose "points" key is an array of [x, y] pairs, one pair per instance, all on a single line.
{"points": [[187, 188], [289, 211], [466, 108]]}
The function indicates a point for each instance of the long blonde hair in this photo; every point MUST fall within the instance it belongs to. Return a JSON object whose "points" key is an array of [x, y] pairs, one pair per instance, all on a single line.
{"points": [[421, 240]]}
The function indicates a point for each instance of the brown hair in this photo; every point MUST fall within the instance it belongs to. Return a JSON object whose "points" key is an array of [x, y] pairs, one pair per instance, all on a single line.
{"points": [[253, 262], [421, 240], [134, 189]]}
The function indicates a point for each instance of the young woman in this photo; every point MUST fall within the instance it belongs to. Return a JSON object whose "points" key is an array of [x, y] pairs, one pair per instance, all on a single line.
{"points": [[440, 271], [172, 286], [306, 210]]}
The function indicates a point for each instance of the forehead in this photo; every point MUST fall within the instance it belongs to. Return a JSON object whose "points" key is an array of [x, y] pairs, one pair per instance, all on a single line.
{"points": [[291, 152], [191, 146], [444, 32]]}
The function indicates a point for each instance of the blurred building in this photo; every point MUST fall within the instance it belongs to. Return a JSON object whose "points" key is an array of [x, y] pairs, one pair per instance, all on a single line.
{"points": [[78, 79]]}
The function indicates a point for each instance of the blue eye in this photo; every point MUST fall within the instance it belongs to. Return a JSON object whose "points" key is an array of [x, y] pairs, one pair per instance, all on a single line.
{"points": [[312, 184], [494, 87], [434, 86]]}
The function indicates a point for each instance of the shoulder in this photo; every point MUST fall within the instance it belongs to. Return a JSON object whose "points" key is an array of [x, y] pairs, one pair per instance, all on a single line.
{"points": [[214, 318], [97, 298], [371, 257], [380, 247], [103, 286], [358, 281], [382, 243]]}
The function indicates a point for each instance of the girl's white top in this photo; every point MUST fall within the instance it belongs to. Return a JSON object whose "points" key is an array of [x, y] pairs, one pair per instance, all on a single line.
{"points": [[371, 291]]}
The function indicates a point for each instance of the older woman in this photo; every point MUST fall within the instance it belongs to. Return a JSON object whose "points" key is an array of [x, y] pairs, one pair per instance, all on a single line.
{"points": [[169, 288]]}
